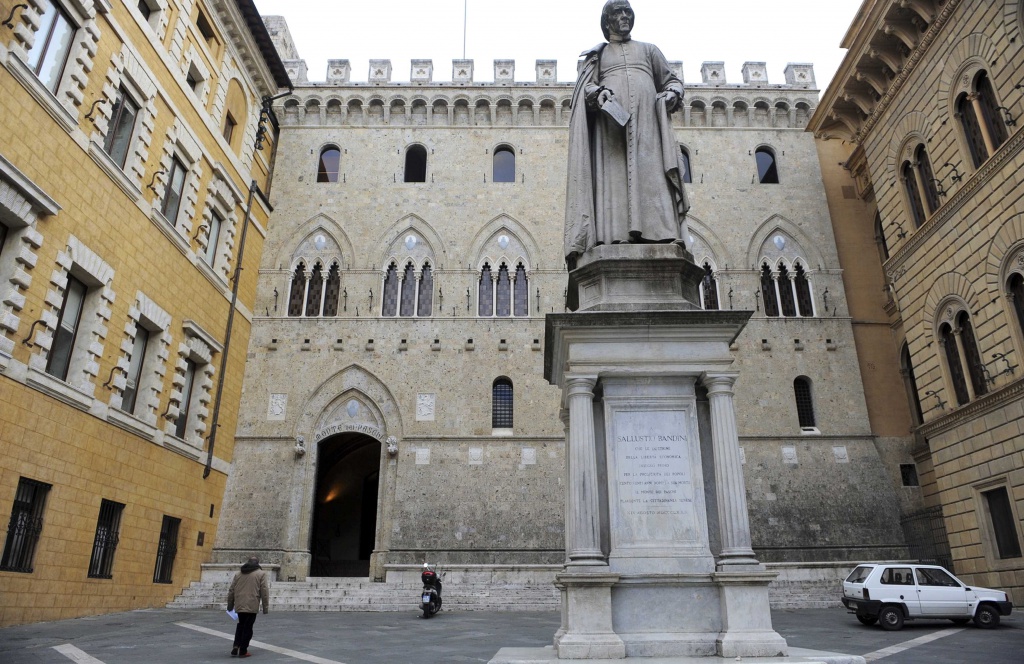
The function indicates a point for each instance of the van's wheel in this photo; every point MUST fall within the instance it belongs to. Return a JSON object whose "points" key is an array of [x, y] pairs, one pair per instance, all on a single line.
{"points": [[986, 617], [867, 620], [891, 618], [960, 621]]}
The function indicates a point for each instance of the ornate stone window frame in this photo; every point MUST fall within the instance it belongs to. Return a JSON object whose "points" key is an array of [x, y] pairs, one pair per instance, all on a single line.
{"points": [[22, 202], [180, 142], [64, 104], [199, 346], [147, 314], [965, 83], [224, 198], [946, 313], [85, 265], [986, 530], [158, 17]]}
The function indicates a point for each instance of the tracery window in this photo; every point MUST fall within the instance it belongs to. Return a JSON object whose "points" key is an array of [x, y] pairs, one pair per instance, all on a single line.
{"points": [[918, 180], [416, 164], [802, 285], [504, 164], [333, 291], [501, 404], [329, 165], [768, 293], [407, 294], [786, 293], [804, 403], [786, 300], [297, 293], [504, 294], [315, 291]]}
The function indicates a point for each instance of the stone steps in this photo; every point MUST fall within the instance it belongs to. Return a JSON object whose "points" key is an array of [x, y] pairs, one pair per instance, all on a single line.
{"points": [[361, 595]]}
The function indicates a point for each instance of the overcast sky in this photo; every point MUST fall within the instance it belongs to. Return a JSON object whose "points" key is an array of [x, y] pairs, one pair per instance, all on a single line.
{"points": [[734, 31]]}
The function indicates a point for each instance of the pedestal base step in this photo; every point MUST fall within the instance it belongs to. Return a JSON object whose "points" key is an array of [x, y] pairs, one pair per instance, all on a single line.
{"points": [[547, 656]]}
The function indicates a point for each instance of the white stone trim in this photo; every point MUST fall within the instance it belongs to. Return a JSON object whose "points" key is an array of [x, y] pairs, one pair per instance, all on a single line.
{"points": [[147, 313], [197, 349], [182, 143], [127, 70]]}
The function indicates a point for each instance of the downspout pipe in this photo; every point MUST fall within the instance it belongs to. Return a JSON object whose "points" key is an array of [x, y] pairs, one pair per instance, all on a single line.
{"points": [[266, 108]]}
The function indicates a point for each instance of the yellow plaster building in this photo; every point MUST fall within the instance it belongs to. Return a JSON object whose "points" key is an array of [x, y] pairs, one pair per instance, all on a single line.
{"points": [[130, 189], [924, 116]]}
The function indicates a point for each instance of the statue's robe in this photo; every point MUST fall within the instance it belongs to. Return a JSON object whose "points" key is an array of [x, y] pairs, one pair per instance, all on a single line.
{"points": [[625, 184]]}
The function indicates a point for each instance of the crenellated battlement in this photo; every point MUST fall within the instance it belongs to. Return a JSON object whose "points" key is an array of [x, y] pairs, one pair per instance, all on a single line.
{"points": [[798, 76]]}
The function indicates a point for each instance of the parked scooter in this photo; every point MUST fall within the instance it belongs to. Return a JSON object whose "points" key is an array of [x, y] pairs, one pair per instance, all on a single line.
{"points": [[431, 596]]}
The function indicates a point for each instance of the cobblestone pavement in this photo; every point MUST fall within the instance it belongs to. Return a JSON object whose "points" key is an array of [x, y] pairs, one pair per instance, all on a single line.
{"points": [[162, 636]]}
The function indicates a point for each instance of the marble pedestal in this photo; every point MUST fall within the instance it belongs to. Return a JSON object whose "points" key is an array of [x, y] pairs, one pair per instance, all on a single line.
{"points": [[659, 562]]}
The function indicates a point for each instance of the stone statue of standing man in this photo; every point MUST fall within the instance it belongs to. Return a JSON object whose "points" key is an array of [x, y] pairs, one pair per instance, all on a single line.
{"points": [[625, 168]]}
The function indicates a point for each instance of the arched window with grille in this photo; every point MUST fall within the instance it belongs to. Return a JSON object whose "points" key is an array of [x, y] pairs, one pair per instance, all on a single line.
{"points": [[315, 290], [522, 292], [501, 404], [389, 299], [407, 306], [333, 291], [709, 288], [787, 301], [804, 403], [767, 169], [802, 286], [297, 292], [504, 164], [485, 293], [416, 164], [329, 165], [978, 111], [425, 299], [768, 293]]}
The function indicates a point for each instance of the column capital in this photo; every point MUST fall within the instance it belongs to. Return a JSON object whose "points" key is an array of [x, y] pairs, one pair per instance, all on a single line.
{"points": [[719, 382], [579, 384]]}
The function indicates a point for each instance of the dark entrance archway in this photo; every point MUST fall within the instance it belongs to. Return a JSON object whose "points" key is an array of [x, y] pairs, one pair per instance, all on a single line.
{"points": [[345, 507]]}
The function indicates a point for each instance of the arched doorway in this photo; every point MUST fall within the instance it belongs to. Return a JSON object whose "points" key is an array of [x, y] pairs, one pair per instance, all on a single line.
{"points": [[345, 505]]}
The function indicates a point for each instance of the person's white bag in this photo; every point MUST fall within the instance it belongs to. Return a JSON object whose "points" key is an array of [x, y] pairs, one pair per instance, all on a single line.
{"points": [[233, 615]]}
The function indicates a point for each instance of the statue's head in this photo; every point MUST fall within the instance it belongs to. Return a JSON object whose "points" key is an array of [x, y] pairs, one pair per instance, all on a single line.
{"points": [[615, 11]]}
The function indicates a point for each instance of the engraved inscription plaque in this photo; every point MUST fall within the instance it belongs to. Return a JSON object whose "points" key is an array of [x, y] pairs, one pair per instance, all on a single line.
{"points": [[653, 478]]}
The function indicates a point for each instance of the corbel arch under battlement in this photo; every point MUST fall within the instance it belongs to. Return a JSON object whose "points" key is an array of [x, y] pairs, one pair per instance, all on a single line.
{"points": [[328, 405], [757, 250], [489, 234], [286, 254], [388, 243]]}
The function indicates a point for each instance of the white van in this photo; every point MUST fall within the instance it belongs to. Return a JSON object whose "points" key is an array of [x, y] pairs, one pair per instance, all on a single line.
{"points": [[894, 592]]}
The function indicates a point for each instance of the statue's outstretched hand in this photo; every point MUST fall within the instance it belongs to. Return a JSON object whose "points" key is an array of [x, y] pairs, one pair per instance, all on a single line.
{"points": [[604, 95], [671, 100]]}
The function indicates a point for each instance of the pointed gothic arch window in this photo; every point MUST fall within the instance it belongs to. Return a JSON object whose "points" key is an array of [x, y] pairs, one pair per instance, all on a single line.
{"points": [[522, 292], [333, 291], [804, 403], [416, 164], [768, 292], [802, 286], [501, 404], [314, 294], [297, 292], [767, 169], [330, 164], [425, 298], [485, 293], [407, 306], [709, 288], [503, 293], [389, 300], [785, 284]]}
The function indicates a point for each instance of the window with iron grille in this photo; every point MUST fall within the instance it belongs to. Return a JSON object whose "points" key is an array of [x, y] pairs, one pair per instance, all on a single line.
{"points": [[101, 565], [768, 294], [333, 291], [522, 294], [786, 298], [390, 299], [501, 404], [25, 526], [166, 549], [407, 306], [486, 297], [425, 302], [803, 291], [503, 295], [315, 291], [298, 291], [804, 404], [1003, 524]]}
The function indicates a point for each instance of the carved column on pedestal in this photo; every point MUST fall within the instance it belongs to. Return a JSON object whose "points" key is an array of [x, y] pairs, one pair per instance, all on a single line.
{"points": [[583, 521], [734, 522]]}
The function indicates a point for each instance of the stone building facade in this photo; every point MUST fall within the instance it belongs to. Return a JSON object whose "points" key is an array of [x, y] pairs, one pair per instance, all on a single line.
{"points": [[394, 410], [924, 117], [127, 155]]}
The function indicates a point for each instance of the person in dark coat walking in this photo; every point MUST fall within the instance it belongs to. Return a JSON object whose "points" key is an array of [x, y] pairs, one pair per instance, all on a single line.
{"points": [[249, 589]]}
